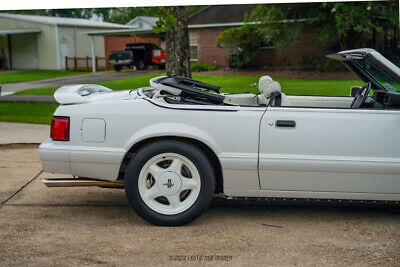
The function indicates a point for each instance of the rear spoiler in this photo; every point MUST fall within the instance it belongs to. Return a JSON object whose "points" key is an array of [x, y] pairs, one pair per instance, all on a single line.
{"points": [[78, 93]]}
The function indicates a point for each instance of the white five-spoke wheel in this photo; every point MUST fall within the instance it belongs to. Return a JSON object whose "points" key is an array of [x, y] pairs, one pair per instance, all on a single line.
{"points": [[169, 182]]}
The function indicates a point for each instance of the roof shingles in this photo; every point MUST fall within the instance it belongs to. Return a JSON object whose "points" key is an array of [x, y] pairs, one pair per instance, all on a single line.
{"points": [[221, 14]]}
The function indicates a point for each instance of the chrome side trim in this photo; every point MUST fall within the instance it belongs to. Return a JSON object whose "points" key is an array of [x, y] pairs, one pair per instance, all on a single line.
{"points": [[78, 182]]}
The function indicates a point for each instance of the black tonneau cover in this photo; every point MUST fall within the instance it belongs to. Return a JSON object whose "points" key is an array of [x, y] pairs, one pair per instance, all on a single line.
{"points": [[192, 88]]}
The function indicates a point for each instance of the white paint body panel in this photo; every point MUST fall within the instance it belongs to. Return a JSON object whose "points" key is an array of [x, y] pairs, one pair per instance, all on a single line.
{"points": [[331, 153]]}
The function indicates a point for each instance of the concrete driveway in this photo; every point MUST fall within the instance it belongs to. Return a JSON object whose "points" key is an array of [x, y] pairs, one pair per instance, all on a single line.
{"points": [[63, 226], [9, 88], [23, 133]]}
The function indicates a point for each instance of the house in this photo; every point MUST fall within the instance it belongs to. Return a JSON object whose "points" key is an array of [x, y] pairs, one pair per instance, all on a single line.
{"points": [[143, 22], [207, 24], [43, 42]]}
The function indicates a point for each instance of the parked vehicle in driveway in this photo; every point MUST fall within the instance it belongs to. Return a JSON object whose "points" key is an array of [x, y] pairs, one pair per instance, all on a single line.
{"points": [[176, 143], [139, 55]]}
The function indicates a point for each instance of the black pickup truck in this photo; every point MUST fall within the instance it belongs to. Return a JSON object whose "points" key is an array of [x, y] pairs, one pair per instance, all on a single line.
{"points": [[137, 54]]}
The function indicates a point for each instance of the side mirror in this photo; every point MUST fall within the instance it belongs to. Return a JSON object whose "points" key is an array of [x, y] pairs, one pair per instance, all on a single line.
{"points": [[354, 90]]}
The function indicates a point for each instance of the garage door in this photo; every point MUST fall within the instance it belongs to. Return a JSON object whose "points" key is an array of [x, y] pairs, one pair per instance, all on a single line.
{"points": [[24, 51]]}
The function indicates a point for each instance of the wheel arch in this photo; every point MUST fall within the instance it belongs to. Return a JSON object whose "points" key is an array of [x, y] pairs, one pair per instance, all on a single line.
{"points": [[210, 153]]}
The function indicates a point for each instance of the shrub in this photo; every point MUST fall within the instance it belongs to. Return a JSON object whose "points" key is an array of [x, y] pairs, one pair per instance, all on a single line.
{"points": [[327, 65], [199, 67], [309, 61], [322, 64]]}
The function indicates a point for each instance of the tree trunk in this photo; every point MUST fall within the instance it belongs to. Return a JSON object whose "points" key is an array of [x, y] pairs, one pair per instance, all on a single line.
{"points": [[177, 44]]}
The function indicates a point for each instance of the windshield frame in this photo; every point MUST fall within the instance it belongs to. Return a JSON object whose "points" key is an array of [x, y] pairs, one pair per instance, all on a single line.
{"points": [[350, 60]]}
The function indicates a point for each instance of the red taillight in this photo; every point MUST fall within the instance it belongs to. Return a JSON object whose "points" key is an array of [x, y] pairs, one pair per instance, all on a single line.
{"points": [[59, 130]]}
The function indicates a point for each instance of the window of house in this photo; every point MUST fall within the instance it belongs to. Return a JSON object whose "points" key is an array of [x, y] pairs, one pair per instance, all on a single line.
{"points": [[193, 45]]}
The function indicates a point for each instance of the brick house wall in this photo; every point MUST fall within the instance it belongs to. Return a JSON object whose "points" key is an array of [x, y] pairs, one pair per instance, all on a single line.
{"points": [[117, 43], [207, 51], [153, 40]]}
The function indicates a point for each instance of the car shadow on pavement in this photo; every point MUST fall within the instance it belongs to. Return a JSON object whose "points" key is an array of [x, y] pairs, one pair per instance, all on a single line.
{"points": [[104, 204], [302, 207]]}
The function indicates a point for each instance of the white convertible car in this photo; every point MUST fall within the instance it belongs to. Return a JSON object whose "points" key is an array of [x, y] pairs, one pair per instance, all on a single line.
{"points": [[176, 143]]}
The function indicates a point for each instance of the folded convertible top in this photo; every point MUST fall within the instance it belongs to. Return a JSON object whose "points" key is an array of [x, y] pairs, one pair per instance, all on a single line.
{"points": [[188, 88]]}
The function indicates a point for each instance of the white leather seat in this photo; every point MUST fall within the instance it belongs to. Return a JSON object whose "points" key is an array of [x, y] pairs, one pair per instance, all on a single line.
{"points": [[267, 86]]}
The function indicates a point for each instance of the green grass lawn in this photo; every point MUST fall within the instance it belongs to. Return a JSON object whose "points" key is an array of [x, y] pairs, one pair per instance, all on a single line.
{"points": [[33, 75], [27, 112], [233, 84], [41, 113]]}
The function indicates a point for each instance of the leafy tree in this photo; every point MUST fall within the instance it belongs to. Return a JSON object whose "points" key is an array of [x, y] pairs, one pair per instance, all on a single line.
{"points": [[71, 13], [124, 15], [282, 35], [41, 12], [242, 43], [356, 23], [193, 9], [351, 23]]}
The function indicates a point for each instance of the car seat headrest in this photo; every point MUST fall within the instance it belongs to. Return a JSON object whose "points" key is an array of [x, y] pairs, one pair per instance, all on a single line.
{"points": [[267, 86]]}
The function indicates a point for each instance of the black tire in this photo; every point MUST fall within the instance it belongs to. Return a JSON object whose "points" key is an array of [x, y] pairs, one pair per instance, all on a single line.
{"points": [[161, 66], [141, 65], [117, 67], [194, 154]]}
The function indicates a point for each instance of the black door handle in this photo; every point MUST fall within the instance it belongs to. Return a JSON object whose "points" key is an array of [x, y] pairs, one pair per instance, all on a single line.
{"points": [[281, 123]]}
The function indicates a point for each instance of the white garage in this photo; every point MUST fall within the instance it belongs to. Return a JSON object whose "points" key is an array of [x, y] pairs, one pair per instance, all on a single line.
{"points": [[44, 42]]}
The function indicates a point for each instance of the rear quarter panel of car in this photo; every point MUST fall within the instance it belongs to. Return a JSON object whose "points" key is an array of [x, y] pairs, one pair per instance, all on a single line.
{"points": [[232, 135]]}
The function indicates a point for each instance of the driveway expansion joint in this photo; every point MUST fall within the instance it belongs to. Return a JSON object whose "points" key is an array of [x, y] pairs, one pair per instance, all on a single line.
{"points": [[19, 190]]}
